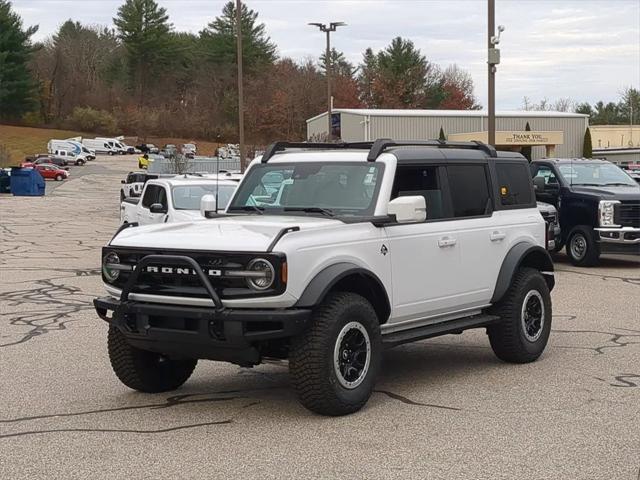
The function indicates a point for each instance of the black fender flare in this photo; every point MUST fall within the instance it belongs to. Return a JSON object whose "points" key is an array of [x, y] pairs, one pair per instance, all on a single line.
{"points": [[523, 254], [318, 288]]}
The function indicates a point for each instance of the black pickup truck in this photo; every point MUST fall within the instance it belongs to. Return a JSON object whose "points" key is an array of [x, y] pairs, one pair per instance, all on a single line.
{"points": [[598, 204]]}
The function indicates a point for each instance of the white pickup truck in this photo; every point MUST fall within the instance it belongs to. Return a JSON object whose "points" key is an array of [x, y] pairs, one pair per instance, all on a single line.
{"points": [[168, 200]]}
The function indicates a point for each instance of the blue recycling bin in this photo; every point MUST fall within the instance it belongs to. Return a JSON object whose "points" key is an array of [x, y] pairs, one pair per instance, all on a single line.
{"points": [[26, 182]]}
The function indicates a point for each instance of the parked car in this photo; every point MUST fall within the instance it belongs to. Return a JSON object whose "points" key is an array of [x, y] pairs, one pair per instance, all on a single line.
{"points": [[369, 248], [133, 184], [57, 161], [99, 146], [51, 171], [598, 203], [78, 160], [177, 199]]}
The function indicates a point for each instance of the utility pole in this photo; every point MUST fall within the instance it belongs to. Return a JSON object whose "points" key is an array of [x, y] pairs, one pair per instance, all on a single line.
{"points": [[327, 65], [493, 59], [240, 89]]}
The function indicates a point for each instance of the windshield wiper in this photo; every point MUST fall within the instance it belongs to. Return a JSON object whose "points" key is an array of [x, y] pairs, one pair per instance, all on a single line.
{"points": [[620, 184], [588, 184], [323, 211], [247, 208]]}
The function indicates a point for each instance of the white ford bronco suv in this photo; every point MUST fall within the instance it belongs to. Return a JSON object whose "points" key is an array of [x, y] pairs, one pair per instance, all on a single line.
{"points": [[326, 255]]}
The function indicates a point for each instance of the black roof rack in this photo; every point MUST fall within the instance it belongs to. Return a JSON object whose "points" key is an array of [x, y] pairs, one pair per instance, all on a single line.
{"points": [[382, 144], [282, 146], [377, 147]]}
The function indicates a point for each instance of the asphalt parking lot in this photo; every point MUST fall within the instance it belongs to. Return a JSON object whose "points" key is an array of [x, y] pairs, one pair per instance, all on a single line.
{"points": [[443, 408]]}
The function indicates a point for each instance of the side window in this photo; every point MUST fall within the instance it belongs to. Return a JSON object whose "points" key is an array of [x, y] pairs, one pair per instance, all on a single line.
{"points": [[423, 181], [469, 190], [548, 175], [514, 184], [150, 196]]}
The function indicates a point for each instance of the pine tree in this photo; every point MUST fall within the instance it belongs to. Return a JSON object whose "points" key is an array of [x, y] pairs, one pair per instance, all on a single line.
{"points": [[17, 88], [526, 151], [145, 31], [442, 136], [587, 147], [339, 64], [219, 41]]}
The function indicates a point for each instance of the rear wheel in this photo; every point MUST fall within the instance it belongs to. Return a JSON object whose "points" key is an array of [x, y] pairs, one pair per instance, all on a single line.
{"points": [[582, 248], [145, 371], [334, 364], [525, 312]]}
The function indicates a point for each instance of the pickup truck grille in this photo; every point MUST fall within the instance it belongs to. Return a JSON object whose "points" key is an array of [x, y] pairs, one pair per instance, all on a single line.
{"points": [[628, 214], [187, 284]]}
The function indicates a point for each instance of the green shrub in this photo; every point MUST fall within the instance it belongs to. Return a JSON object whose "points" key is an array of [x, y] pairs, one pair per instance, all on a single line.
{"points": [[87, 119]]}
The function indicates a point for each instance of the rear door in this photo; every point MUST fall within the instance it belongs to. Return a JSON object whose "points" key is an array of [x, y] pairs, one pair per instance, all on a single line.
{"points": [[425, 256], [480, 242]]}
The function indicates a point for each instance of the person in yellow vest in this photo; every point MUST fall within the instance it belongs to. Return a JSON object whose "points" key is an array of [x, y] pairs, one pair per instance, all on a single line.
{"points": [[143, 162]]}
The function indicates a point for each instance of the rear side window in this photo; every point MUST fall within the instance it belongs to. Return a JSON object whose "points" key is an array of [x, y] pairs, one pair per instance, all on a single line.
{"points": [[514, 184], [469, 190]]}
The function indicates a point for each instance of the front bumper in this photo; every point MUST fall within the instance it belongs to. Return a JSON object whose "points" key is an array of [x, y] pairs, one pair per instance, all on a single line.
{"points": [[624, 240], [231, 335]]}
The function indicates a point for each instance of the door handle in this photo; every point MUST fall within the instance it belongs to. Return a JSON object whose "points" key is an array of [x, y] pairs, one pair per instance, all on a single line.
{"points": [[497, 236], [447, 242]]}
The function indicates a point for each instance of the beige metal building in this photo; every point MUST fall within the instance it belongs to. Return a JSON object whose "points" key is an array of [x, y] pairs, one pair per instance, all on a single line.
{"points": [[555, 134], [615, 136]]}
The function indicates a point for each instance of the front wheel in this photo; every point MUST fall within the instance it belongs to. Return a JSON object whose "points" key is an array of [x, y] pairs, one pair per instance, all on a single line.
{"points": [[334, 364], [58, 178], [582, 248], [525, 325], [146, 371]]}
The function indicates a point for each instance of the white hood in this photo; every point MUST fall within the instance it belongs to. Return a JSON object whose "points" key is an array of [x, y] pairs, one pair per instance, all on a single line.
{"points": [[246, 233]]}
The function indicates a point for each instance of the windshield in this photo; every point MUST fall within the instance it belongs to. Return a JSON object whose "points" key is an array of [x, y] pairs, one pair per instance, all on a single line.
{"points": [[187, 197], [337, 188], [595, 174]]}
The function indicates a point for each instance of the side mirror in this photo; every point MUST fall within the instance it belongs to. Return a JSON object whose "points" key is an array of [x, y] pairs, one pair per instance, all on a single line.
{"points": [[539, 184], [408, 209], [157, 208], [208, 205]]}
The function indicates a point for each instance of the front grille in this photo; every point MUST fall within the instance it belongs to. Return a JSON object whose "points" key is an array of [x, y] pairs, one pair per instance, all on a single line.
{"points": [[628, 214], [189, 285]]}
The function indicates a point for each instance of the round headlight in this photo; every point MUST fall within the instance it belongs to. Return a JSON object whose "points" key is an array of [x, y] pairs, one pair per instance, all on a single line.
{"points": [[265, 274], [110, 274]]}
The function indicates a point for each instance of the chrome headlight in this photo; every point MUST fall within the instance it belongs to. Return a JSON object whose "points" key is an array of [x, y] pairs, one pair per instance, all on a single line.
{"points": [[110, 261], [606, 213], [261, 274]]}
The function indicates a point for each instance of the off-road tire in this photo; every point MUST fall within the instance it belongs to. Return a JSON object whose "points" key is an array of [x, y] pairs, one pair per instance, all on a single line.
{"points": [[591, 256], [311, 360], [145, 371], [508, 338], [58, 178]]}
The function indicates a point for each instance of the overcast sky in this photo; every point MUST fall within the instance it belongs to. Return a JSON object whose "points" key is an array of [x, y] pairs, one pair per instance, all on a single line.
{"points": [[587, 50]]}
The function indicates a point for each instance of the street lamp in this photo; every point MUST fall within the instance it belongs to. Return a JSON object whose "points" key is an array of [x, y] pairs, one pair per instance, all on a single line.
{"points": [[493, 59], [240, 83], [327, 60]]}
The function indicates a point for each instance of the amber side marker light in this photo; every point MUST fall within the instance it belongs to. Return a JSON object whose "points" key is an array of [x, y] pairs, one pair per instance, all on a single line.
{"points": [[284, 273]]}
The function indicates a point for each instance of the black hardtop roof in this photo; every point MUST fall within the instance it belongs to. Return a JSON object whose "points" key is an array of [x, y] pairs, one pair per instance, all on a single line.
{"points": [[404, 150]]}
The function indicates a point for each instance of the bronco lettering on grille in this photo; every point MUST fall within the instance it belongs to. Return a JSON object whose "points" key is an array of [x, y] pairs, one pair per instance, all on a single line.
{"points": [[182, 271]]}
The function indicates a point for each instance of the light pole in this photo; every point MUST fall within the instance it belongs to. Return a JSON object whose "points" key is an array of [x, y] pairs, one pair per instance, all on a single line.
{"points": [[240, 89], [493, 59], [327, 62]]}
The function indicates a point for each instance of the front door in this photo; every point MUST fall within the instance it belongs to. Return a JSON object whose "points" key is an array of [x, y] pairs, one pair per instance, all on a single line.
{"points": [[425, 256]]}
